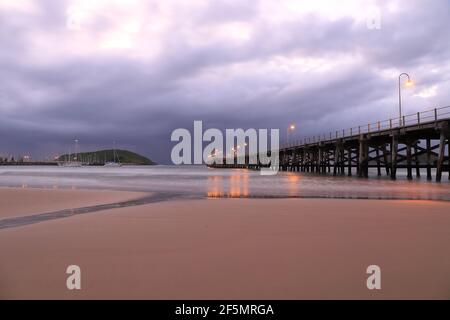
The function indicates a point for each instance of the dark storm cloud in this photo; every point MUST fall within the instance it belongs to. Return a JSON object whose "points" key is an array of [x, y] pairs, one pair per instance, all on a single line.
{"points": [[229, 64]]}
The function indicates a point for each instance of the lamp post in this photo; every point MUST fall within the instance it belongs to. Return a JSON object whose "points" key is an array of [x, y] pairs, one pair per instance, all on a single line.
{"points": [[408, 83]]}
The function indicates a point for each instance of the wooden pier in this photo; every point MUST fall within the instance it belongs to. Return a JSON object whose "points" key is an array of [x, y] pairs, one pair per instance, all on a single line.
{"points": [[413, 142]]}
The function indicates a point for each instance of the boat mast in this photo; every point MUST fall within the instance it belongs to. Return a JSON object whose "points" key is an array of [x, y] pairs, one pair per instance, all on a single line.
{"points": [[114, 152], [76, 150]]}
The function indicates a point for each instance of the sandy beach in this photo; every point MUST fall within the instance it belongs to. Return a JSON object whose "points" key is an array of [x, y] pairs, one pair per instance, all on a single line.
{"points": [[224, 248]]}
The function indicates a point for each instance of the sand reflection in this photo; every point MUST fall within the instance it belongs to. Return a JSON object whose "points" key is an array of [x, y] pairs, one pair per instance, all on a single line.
{"points": [[232, 186]]}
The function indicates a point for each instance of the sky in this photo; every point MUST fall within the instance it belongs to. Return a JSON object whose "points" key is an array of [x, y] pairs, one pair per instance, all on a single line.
{"points": [[133, 71]]}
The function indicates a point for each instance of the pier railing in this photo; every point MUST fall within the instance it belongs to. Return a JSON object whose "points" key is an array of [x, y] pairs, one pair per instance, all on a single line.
{"points": [[418, 118]]}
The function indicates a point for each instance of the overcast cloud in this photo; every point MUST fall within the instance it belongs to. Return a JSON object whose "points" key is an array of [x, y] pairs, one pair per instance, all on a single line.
{"points": [[133, 71]]}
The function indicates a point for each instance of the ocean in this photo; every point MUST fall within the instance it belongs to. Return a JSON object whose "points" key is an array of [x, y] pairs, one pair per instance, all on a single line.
{"points": [[202, 182]]}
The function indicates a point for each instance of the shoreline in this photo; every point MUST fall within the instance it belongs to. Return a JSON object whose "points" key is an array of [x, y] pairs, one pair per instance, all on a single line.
{"points": [[205, 195], [232, 249], [125, 199], [12, 218]]}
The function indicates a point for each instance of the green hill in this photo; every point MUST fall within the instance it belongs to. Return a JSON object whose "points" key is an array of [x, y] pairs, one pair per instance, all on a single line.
{"points": [[102, 156]]}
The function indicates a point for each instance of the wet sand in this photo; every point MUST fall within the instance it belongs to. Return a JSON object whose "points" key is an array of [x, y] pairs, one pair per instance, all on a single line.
{"points": [[16, 202], [232, 249]]}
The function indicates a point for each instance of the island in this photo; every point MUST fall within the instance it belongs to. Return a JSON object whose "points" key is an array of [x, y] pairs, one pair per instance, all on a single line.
{"points": [[100, 157]]}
